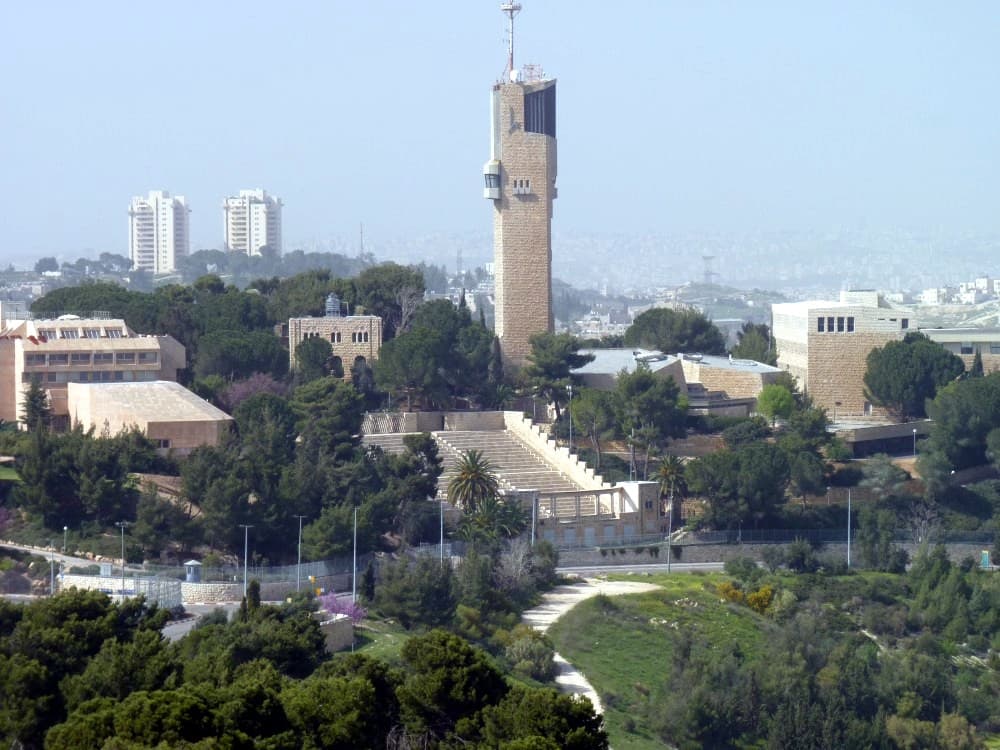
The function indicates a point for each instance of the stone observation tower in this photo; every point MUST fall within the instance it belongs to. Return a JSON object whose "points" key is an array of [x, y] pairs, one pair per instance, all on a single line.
{"points": [[521, 181]]}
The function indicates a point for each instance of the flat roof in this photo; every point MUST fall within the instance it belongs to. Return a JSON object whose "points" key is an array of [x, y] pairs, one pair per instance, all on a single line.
{"points": [[613, 361], [958, 333], [153, 401], [730, 363]]}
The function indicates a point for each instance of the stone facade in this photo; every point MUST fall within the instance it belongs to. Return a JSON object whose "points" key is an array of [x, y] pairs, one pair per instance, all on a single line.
{"points": [[352, 337], [734, 378], [825, 346], [523, 166], [77, 350]]}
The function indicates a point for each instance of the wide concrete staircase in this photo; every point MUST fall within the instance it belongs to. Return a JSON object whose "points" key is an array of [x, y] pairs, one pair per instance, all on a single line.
{"points": [[517, 465]]}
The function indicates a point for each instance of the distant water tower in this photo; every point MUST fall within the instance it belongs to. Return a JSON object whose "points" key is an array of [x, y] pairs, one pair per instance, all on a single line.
{"points": [[332, 305]]}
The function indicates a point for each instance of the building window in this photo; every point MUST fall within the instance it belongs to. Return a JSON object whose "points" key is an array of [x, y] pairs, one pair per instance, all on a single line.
{"points": [[80, 358], [34, 360], [829, 324], [994, 348], [47, 333], [904, 323], [966, 348], [840, 324], [113, 333], [92, 333], [850, 323], [819, 324], [335, 337], [69, 333], [103, 358], [148, 358], [162, 443], [119, 376], [125, 358], [83, 377], [58, 359]]}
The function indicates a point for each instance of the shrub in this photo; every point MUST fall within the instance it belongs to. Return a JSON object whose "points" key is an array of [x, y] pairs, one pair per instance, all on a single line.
{"points": [[729, 592], [760, 599], [744, 569]]}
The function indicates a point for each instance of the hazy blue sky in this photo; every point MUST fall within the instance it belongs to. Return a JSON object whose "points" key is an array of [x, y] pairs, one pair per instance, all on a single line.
{"points": [[673, 116]]}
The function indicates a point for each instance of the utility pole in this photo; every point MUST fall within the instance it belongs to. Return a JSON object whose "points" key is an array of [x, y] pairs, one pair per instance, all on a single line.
{"points": [[298, 567], [569, 413], [354, 570], [670, 522], [441, 542], [848, 527], [246, 549], [121, 525]]}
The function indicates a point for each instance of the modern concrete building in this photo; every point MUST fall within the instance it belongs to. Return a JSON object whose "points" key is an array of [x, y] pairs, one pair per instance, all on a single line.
{"points": [[353, 338], [965, 342], [71, 349], [252, 222], [712, 385], [158, 231], [825, 345], [169, 414], [602, 372], [520, 180]]}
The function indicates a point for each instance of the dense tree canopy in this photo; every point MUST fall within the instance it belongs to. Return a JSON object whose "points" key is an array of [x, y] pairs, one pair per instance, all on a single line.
{"points": [[902, 375], [673, 331], [753, 341], [553, 357]]}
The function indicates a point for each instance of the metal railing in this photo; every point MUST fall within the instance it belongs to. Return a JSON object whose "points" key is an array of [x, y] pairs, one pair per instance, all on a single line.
{"points": [[264, 573]]}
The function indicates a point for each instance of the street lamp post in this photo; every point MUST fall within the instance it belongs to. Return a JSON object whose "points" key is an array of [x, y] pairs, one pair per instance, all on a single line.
{"points": [[441, 540], [65, 531], [670, 522], [354, 568], [914, 442], [52, 569], [298, 567], [246, 549], [569, 413], [848, 527], [121, 525]]}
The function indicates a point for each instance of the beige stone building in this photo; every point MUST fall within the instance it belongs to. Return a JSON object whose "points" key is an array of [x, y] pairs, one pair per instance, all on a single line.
{"points": [[71, 349], [732, 378], [353, 338], [170, 415], [825, 345], [712, 385], [520, 179], [965, 342]]}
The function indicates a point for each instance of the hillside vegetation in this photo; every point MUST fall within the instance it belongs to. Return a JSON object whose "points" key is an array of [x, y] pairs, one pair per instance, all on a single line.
{"points": [[782, 660]]}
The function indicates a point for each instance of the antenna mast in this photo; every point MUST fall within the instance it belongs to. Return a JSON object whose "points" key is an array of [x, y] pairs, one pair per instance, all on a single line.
{"points": [[510, 10]]}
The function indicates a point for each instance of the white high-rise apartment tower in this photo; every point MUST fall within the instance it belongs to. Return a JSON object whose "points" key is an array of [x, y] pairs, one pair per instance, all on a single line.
{"points": [[157, 231], [253, 221]]}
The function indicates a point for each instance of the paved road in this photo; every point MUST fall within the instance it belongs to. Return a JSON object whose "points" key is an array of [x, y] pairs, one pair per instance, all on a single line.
{"points": [[561, 600], [50, 554], [601, 570]]}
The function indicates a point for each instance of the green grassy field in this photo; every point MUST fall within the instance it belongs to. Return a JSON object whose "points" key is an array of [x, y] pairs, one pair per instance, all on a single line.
{"points": [[624, 644], [382, 640]]}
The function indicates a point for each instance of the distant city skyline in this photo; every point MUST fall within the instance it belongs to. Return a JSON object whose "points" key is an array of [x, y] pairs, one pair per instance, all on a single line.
{"points": [[674, 117]]}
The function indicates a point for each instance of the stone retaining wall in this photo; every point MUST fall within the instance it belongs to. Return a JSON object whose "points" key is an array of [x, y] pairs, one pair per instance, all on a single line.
{"points": [[709, 553], [569, 464]]}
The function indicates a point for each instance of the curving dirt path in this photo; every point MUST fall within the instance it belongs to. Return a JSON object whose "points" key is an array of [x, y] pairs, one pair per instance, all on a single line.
{"points": [[561, 600]]}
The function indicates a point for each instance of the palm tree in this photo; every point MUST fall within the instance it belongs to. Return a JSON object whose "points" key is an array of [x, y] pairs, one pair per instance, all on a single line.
{"points": [[474, 483], [670, 475]]}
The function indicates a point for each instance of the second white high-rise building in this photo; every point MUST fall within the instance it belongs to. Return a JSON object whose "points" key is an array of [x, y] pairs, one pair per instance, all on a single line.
{"points": [[252, 222], [158, 231]]}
